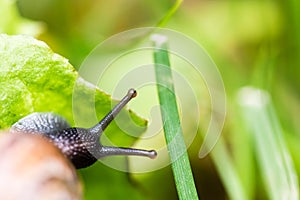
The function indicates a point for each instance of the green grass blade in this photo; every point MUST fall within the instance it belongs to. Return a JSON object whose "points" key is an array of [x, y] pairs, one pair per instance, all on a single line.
{"points": [[228, 172], [171, 123], [170, 13], [274, 161]]}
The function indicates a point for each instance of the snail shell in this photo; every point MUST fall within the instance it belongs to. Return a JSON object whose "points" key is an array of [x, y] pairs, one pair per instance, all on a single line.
{"points": [[31, 167]]}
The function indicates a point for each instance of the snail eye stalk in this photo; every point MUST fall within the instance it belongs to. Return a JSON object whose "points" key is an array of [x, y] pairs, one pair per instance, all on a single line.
{"points": [[81, 146]]}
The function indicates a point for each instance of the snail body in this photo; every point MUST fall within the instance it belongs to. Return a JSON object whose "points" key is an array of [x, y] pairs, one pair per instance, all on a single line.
{"points": [[41, 123], [80, 145]]}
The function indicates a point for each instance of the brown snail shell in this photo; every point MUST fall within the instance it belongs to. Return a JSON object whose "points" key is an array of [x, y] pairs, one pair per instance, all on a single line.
{"points": [[33, 168]]}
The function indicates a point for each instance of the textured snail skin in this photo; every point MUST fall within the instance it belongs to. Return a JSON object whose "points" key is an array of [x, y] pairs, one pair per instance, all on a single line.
{"points": [[75, 143], [41, 122], [80, 145], [33, 168]]}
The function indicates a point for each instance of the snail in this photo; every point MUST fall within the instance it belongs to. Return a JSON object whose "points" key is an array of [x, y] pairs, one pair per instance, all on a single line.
{"points": [[32, 168], [80, 145]]}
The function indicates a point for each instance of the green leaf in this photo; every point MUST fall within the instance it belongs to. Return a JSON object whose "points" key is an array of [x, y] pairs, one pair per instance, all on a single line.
{"points": [[35, 79]]}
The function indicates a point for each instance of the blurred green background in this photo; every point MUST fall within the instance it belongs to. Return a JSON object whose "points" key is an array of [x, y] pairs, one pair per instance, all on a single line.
{"points": [[253, 43]]}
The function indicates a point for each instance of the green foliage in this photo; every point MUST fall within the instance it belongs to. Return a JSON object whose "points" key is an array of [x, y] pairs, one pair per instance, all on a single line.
{"points": [[35, 79], [252, 42], [275, 165]]}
